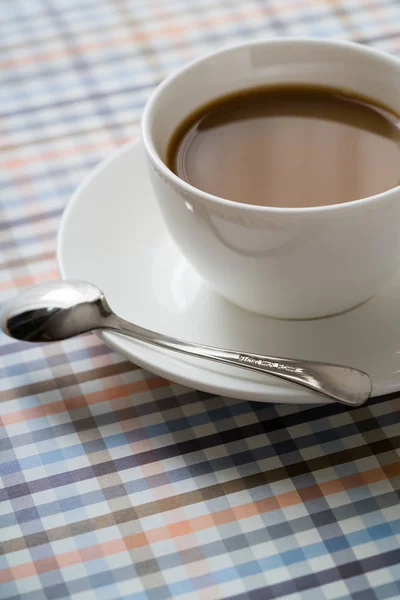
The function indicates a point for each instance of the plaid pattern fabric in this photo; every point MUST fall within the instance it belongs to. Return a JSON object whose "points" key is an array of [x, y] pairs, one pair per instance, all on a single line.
{"points": [[116, 484]]}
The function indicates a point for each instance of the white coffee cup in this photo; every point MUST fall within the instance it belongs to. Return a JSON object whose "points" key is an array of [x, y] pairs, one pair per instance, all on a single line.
{"points": [[282, 262]]}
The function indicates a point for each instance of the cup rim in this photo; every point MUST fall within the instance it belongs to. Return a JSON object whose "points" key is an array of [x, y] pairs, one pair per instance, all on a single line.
{"points": [[225, 202]]}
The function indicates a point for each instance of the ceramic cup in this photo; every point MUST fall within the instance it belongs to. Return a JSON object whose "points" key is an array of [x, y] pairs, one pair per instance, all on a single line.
{"points": [[282, 262]]}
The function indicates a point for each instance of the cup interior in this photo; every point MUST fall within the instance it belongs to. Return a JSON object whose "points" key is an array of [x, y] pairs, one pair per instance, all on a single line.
{"points": [[344, 65]]}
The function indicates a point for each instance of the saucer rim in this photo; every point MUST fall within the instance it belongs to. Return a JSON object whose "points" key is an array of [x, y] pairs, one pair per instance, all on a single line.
{"points": [[220, 382]]}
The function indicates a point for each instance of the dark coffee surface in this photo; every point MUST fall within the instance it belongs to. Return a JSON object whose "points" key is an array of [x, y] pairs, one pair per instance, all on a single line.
{"points": [[289, 146]]}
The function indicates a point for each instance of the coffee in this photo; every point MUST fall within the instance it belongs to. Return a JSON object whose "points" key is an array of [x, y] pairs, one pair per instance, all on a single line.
{"points": [[289, 146]]}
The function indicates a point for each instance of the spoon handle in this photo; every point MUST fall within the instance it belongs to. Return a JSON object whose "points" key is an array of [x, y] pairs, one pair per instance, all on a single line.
{"points": [[342, 384]]}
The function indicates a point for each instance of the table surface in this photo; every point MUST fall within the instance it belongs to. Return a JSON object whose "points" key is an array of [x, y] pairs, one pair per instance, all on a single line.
{"points": [[114, 482]]}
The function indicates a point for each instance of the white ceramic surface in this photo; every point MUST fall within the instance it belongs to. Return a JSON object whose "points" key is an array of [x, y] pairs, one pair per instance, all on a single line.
{"points": [[296, 263], [113, 235]]}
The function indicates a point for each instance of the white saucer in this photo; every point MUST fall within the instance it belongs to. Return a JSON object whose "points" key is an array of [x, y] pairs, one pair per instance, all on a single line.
{"points": [[112, 235]]}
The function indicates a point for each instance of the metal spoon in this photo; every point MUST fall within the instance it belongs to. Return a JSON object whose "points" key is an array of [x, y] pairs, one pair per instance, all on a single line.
{"points": [[62, 309]]}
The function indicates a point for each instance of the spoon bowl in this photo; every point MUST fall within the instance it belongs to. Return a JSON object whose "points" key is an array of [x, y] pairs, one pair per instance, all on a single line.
{"points": [[54, 311]]}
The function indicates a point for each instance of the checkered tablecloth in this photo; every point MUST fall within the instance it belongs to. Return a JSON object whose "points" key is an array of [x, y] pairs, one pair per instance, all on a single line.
{"points": [[119, 485]]}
